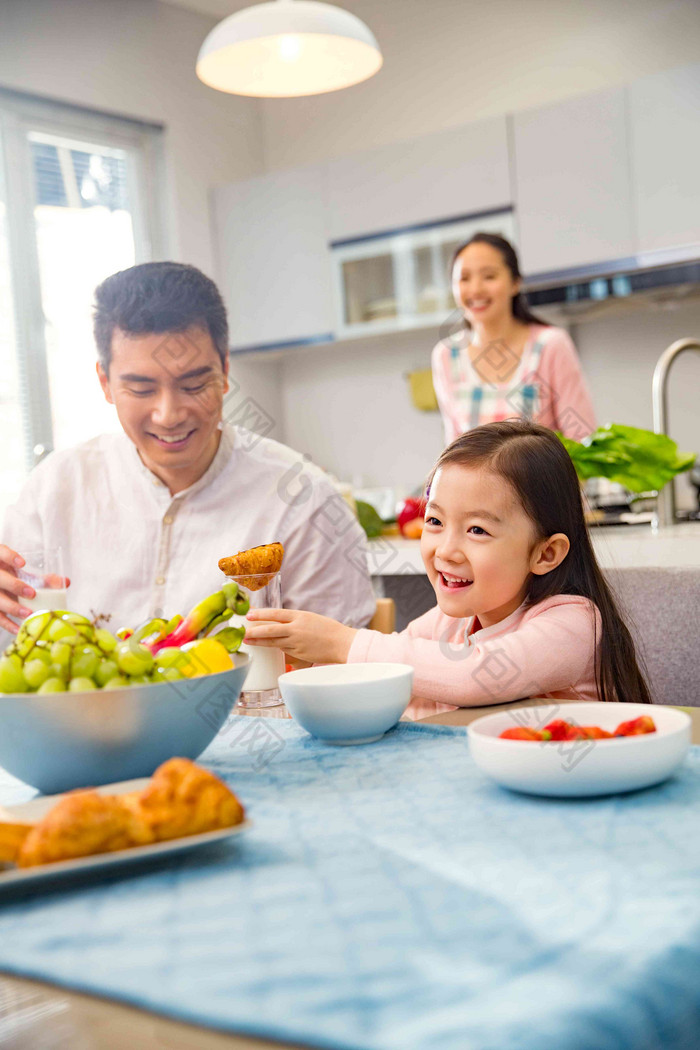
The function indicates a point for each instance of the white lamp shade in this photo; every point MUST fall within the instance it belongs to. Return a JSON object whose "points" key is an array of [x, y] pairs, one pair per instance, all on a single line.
{"points": [[288, 48]]}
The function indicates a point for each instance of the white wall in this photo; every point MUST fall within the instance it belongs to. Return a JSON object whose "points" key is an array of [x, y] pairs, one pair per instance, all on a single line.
{"points": [[349, 409], [447, 62], [136, 58]]}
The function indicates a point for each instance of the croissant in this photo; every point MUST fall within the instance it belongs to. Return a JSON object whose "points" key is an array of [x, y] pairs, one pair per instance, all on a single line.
{"points": [[254, 568], [181, 799], [81, 824], [12, 835]]}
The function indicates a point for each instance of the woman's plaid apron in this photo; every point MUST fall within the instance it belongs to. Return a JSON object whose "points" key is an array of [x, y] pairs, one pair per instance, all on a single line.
{"points": [[476, 402]]}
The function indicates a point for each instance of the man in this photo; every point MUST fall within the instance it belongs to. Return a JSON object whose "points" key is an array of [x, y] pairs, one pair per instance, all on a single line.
{"points": [[143, 516]]}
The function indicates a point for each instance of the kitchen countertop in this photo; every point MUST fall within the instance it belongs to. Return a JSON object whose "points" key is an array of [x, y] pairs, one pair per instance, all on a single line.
{"points": [[616, 547]]}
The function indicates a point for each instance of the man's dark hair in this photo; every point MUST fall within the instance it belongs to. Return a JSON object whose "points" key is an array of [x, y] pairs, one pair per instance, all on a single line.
{"points": [[158, 297]]}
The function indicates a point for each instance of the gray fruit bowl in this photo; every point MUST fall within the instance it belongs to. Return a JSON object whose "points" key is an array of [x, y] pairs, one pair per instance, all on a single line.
{"points": [[60, 741]]}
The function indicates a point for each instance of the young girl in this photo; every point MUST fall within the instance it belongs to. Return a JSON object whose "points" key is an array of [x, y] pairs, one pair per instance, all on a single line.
{"points": [[505, 361], [522, 609]]}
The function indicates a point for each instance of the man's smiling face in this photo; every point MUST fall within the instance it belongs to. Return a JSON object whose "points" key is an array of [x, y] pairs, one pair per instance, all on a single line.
{"points": [[168, 389]]}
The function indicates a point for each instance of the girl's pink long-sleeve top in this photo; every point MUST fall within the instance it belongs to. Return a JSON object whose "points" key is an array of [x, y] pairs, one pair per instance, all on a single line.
{"points": [[547, 649]]}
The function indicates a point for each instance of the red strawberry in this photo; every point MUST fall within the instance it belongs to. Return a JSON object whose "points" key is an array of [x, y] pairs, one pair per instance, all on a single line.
{"points": [[522, 733], [636, 726], [559, 729]]}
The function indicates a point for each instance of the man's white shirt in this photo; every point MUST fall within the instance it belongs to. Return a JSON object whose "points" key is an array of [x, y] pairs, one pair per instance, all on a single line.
{"points": [[133, 551]]}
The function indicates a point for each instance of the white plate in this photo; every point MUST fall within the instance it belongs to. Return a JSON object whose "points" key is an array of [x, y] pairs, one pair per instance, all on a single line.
{"points": [[580, 767], [30, 812]]}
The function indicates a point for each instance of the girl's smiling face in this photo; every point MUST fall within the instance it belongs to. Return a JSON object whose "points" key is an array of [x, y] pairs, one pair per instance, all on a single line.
{"points": [[479, 546]]}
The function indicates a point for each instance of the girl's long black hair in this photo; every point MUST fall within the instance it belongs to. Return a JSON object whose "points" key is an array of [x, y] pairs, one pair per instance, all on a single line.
{"points": [[519, 303], [534, 462]]}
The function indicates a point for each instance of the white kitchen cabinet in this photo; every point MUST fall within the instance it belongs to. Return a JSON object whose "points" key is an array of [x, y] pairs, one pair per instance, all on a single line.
{"points": [[445, 175], [573, 186], [274, 265], [665, 148]]}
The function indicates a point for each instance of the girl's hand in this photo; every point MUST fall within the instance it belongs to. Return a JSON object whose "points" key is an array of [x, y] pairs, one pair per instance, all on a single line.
{"points": [[304, 635]]}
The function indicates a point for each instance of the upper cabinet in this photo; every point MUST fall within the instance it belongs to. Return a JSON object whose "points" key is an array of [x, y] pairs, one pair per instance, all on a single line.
{"points": [[361, 244], [444, 175], [274, 264], [665, 147], [401, 280], [573, 183]]}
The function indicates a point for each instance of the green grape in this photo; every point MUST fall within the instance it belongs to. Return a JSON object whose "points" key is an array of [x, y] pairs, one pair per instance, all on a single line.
{"points": [[77, 618], [84, 662], [42, 651], [36, 672], [118, 682], [61, 631], [61, 671], [61, 653], [81, 684], [134, 659], [52, 685], [106, 670], [106, 641], [12, 678], [166, 674], [34, 626], [139, 679], [21, 647], [242, 605], [171, 656]]}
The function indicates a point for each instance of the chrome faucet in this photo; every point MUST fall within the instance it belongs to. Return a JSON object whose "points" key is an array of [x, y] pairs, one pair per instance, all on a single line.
{"points": [[666, 505]]}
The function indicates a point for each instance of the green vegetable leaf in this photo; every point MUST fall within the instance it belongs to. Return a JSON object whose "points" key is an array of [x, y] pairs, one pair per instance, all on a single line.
{"points": [[368, 518], [638, 459]]}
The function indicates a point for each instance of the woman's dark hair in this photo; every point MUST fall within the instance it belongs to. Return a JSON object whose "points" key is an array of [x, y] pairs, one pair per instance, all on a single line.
{"points": [[158, 297], [519, 303], [534, 462]]}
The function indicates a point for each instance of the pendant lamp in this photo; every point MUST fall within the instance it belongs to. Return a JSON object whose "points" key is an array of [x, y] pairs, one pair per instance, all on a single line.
{"points": [[287, 48]]}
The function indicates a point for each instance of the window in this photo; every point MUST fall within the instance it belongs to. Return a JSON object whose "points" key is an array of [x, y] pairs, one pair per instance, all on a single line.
{"points": [[79, 199]]}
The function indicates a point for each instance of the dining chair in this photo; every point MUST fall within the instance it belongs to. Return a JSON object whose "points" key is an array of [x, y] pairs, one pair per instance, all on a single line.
{"points": [[384, 619]]}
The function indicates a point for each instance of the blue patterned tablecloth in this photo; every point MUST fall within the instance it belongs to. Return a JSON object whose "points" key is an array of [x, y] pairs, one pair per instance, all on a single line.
{"points": [[390, 897]]}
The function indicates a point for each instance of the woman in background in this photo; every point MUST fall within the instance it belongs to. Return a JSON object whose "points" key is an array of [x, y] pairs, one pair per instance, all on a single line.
{"points": [[506, 362]]}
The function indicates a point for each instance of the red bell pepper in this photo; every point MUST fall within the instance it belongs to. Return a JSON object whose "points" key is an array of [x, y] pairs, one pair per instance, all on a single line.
{"points": [[196, 620], [412, 509]]}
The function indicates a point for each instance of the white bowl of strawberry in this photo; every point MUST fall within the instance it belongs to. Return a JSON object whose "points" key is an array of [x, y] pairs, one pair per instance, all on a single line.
{"points": [[580, 749]]}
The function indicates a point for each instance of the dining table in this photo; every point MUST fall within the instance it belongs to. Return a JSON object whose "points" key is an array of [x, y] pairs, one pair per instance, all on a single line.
{"points": [[39, 1014]]}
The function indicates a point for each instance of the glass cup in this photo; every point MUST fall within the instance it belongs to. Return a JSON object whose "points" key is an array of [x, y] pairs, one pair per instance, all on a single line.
{"points": [[266, 663], [43, 570]]}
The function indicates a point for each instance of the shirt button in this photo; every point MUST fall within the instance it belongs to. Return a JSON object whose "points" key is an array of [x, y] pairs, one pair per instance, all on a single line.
{"points": [[160, 580], [167, 520]]}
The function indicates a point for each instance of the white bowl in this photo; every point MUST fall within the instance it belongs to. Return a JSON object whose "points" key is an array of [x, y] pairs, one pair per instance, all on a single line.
{"points": [[580, 767], [60, 741], [347, 703]]}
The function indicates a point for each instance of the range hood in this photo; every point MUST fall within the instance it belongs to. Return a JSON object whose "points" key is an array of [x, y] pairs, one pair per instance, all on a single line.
{"points": [[661, 278]]}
